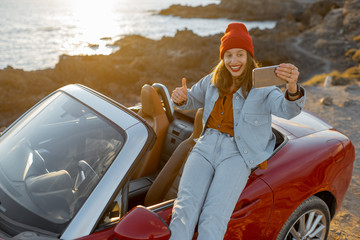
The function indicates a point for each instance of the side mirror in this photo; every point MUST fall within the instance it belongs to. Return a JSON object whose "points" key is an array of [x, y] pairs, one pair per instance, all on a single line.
{"points": [[141, 223]]}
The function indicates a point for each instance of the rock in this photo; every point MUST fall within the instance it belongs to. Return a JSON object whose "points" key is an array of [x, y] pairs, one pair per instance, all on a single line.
{"points": [[348, 103], [341, 81], [333, 21], [314, 20], [352, 17], [327, 101], [245, 10], [208, 11], [333, 36], [353, 88], [316, 12]]}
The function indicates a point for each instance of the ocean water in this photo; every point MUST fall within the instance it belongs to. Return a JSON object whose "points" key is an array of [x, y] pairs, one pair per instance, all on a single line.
{"points": [[34, 33]]}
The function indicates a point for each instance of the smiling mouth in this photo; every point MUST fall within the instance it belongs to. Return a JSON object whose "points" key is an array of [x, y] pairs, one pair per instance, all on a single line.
{"points": [[235, 68]]}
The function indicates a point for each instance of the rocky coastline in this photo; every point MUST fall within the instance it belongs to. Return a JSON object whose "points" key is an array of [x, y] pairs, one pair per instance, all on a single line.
{"points": [[317, 36], [245, 10]]}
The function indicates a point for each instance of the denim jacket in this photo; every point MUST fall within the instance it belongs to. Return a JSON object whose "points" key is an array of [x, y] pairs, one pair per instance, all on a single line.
{"points": [[252, 116]]}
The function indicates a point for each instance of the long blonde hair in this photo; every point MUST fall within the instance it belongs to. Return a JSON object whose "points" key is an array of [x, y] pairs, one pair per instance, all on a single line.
{"points": [[222, 78]]}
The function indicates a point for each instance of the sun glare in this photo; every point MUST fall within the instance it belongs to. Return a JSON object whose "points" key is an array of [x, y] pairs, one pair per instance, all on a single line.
{"points": [[96, 20]]}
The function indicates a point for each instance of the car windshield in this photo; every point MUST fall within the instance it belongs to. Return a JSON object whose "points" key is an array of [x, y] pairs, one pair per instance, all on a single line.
{"points": [[53, 158]]}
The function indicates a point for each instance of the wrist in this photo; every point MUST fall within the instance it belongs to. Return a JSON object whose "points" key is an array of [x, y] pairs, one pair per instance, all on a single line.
{"points": [[180, 103], [295, 91]]}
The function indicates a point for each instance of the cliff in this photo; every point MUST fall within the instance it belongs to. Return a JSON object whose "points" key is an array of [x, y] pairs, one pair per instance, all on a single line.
{"points": [[320, 38]]}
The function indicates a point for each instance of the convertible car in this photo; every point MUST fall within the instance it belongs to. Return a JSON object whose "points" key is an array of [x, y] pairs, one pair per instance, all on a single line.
{"points": [[79, 165]]}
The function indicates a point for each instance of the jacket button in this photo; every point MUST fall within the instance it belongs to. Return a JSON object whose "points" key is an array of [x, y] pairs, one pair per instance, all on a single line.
{"points": [[237, 97], [256, 122], [252, 162], [245, 151], [222, 113]]}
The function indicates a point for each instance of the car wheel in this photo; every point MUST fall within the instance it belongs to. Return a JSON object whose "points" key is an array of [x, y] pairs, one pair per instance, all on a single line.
{"points": [[86, 175], [311, 220]]}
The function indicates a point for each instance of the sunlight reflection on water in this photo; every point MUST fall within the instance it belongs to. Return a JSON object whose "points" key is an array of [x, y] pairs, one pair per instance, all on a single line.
{"points": [[34, 33]]}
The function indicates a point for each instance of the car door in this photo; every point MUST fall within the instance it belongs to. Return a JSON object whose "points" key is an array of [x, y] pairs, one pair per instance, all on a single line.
{"points": [[251, 214]]}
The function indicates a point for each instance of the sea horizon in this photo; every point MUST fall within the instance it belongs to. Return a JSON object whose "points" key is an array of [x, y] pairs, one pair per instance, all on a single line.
{"points": [[35, 33]]}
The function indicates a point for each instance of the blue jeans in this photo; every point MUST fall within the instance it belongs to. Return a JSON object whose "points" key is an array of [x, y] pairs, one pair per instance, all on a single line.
{"points": [[213, 178]]}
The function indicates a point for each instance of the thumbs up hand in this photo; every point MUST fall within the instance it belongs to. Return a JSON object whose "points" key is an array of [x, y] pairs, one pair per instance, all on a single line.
{"points": [[179, 95]]}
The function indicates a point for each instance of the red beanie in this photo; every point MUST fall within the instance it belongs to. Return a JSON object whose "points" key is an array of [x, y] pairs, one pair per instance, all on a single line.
{"points": [[236, 36]]}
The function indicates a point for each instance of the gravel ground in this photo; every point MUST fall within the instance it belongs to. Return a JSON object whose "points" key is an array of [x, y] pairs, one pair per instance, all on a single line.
{"points": [[343, 112]]}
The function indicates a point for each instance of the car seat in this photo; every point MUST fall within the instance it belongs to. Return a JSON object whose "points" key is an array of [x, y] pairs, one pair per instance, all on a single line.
{"points": [[153, 113], [165, 186]]}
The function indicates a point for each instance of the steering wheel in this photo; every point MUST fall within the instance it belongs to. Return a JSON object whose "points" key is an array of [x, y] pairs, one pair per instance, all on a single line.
{"points": [[41, 160], [86, 174]]}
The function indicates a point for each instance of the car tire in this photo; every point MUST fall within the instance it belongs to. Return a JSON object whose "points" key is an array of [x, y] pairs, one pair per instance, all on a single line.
{"points": [[311, 220]]}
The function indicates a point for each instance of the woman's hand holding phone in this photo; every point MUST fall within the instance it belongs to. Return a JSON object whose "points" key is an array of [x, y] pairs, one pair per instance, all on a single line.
{"points": [[290, 74]]}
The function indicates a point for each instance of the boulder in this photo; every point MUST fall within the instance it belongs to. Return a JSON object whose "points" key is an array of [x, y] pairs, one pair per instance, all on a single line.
{"points": [[327, 101], [315, 13], [245, 10]]}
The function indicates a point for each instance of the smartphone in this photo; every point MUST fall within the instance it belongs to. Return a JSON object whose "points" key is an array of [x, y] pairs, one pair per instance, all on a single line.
{"points": [[265, 76]]}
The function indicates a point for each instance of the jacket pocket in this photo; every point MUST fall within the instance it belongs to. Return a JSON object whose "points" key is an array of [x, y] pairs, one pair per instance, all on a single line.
{"points": [[256, 119]]}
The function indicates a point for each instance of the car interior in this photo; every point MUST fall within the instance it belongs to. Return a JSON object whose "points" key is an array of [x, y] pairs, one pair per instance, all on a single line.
{"points": [[156, 179]]}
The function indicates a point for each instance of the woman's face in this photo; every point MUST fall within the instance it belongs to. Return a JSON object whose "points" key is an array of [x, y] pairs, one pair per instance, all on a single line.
{"points": [[235, 61]]}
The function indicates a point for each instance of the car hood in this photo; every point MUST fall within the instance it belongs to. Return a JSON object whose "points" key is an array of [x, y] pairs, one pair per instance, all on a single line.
{"points": [[303, 124]]}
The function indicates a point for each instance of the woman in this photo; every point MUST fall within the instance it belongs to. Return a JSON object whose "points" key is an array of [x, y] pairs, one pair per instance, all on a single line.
{"points": [[237, 135]]}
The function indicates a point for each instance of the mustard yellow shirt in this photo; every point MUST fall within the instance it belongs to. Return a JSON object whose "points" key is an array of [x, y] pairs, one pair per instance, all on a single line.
{"points": [[221, 117]]}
